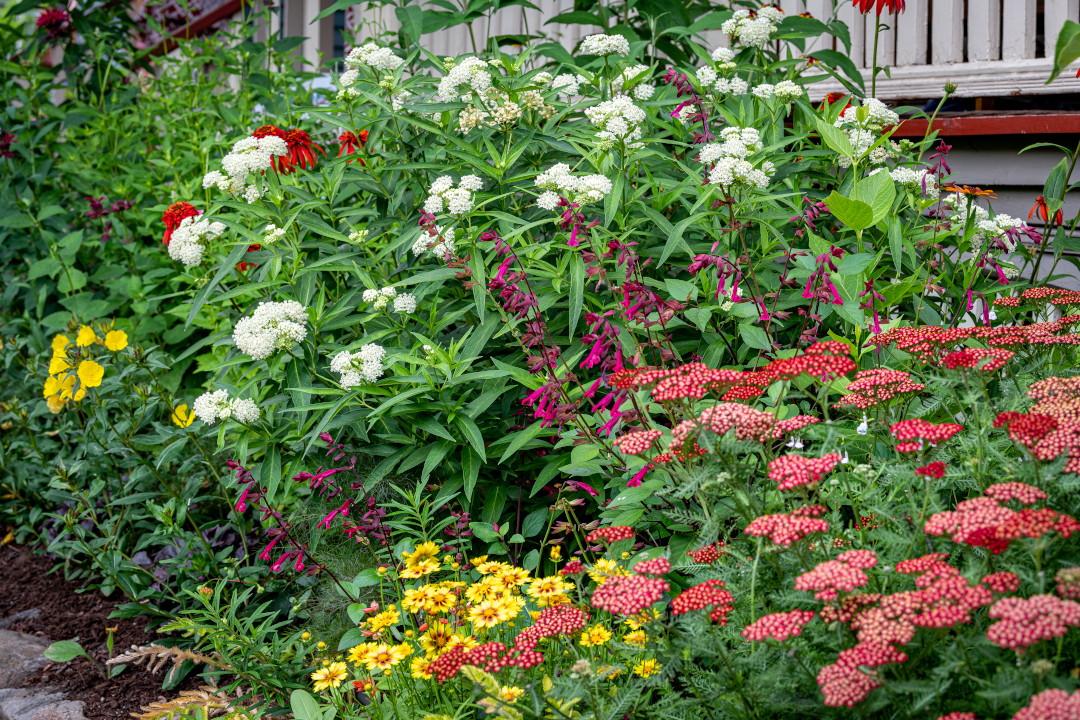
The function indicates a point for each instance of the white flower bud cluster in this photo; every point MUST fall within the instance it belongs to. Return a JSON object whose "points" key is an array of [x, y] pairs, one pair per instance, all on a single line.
{"points": [[706, 76], [439, 241], [642, 91], [379, 59], [861, 141], [405, 303], [786, 91], [472, 72], [273, 326], [763, 91], [190, 239], [358, 237], [731, 86], [724, 58], [756, 31], [559, 181], [272, 233], [363, 367], [568, 85], [542, 79], [249, 156], [731, 166], [213, 406], [470, 117], [617, 119], [878, 116], [506, 115], [913, 181], [602, 44], [454, 200]]}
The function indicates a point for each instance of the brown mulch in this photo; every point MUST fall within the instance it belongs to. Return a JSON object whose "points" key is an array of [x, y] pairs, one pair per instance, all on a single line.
{"points": [[67, 614]]}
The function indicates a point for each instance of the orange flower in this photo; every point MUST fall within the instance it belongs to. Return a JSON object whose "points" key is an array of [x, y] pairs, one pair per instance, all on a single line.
{"points": [[1044, 211], [968, 190]]}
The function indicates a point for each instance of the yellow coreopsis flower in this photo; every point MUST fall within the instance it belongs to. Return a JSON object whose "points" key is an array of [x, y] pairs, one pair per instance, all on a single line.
{"points": [[420, 668], [547, 587], [465, 642], [488, 587], [384, 620], [384, 657], [595, 636], [603, 568], [442, 599], [645, 668], [116, 340], [182, 417], [58, 365], [423, 551], [330, 676], [437, 639], [489, 613], [510, 693], [420, 569], [59, 343], [357, 653], [86, 336], [511, 576], [490, 566], [417, 600], [637, 638], [90, 373]]}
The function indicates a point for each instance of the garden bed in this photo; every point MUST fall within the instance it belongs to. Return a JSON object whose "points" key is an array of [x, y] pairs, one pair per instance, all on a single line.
{"points": [[66, 614]]}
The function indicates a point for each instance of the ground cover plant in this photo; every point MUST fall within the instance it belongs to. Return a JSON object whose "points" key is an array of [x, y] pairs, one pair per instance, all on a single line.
{"points": [[605, 384]]}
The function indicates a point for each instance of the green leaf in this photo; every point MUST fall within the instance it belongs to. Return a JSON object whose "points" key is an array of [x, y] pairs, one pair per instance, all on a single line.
{"points": [[470, 468], [835, 138], [754, 336], [367, 578], [896, 243], [204, 292], [1067, 50], [71, 280], [676, 238], [46, 266], [484, 530], [856, 214], [411, 18], [472, 433], [577, 291], [270, 471], [64, 651], [880, 190], [855, 264], [303, 705], [521, 437]]}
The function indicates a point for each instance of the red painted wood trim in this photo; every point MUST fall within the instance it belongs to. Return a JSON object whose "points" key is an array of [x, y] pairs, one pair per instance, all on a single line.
{"points": [[199, 26], [995, 125]]}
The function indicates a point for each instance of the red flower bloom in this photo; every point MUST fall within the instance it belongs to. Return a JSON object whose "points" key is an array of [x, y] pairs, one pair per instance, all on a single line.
{"points": [[934, 470], [1044, 211], [778, 626], [702, 596], [629, 594], [351, 144], [54, 21], [301, 151], [174, 215], [894, 6], [6, 140]]}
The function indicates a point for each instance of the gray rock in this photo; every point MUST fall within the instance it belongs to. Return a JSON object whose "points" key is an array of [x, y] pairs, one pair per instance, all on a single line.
{"points": [[41, 704], [24, 615], [21, 657]]}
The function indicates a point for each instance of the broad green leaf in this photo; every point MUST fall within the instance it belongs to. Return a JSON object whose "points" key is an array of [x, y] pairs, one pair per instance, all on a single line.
{"points": [[64, 651], [270, 471], [856, 214], [302, 704], [754, 336], [521, 437], [1067, 49]]}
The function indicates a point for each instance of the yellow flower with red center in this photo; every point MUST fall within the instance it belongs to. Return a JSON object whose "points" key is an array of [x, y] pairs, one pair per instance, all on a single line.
{"points": [[489, 587], [489, 613], [418, 599], [420, 668], [330, 676], [425, 567], [595, 636], [357, 653], [465, 642], [547, 587], [510, 693], [637, 638], [383, 620], [511, 576], [442, 599], [645, 668], [384, 657], [603, 568], [423, 551], [490, 566], [438, 639]]}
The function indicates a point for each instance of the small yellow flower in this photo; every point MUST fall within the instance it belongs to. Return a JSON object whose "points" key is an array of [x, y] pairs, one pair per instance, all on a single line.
{"points": [[67, 387], [603, 568], [626, 556], [321, 645], [181, 417], [384, 620], [58, 365], [556, 552], [52, 386], [55, 404], [511, 576], [645, 668], [417, 570], [490, 566], [419, 667], [423, 551], [381, 571], [330, 677], [510, 693], [305, 636], [358, 653], [410, 633], [455, 566], [59, 343], [637, 638], [116, 340], [384, 657], [86, 336], [448, 559], [90, 373], [595, 636]]}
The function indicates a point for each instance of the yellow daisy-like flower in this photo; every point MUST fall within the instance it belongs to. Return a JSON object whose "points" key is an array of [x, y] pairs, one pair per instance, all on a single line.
{"points": [[637, 638], [489, 613], [442, 600], [488, 587], [418, 599], [514, 604], [384, 657], [58, 365], [330, 676], [645, 668], [465, 642], [595, 636], [477, 561], [357, 653], [383, 620], [67, 387], [116, 340], [423, 550], [419, 667], [510, 693], [512, 576], [553, 601], [86, 336], [490, 566], [547, 587], [608, 672], [90, 373], [182, 417], [603, 568], [437, 639], [420, 569], [641, 619], [59, 343], [52, 386], [55, 404]]}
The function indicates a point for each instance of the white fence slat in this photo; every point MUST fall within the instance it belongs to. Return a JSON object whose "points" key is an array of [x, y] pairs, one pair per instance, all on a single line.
{"points": [[984, 30], [911, 31], [1055, 13], [947, 43], [1018, 30]]}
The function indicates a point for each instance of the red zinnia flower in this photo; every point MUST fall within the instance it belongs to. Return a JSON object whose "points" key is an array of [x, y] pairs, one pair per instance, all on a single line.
{"points": [[1044, 211], [894, 6], [174, 215], [351, 144]]}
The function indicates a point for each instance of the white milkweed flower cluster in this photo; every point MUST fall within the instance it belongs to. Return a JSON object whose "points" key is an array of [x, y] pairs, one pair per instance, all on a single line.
{"points": [[724, 58], [753, 31], [272, 233], [364, 366], [602, 44], [249, 156], [542, 78], [440, 241], [404, 303], [273, 326], [706, 76], [190, 239], [865, 133], [785, 91], [568, 85], [728, 159], [617, 119], [914, 181], [763, 91], [878, 116], [454, 200], [642, 91], [559, 181], [379, 59], [731, 86], [217, 405], [471, 72], [358, 237]]}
